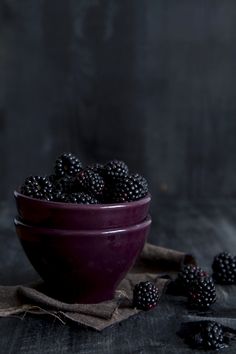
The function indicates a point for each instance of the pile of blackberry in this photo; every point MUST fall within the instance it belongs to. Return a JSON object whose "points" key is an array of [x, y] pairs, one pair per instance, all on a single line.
{"points": [[93, 184], [188, 275], [202, 293], [198, 286]]}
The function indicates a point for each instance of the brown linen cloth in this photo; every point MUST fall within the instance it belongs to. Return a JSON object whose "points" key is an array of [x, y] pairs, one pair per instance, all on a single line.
{"points": [[153, 263]]}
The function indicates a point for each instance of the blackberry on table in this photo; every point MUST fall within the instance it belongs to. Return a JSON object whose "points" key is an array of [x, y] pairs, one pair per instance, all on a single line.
{"points": [[145, 296], [212, 335], [37, 187], [206, 335], [188, 275], [202, 293], [67, 165], [224, 268], [127, 189], [115, 169], [89, 182]]}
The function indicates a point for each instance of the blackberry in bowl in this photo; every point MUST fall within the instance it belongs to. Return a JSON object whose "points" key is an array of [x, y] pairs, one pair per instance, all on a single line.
{"points": [[70, 215], [72, 197]]}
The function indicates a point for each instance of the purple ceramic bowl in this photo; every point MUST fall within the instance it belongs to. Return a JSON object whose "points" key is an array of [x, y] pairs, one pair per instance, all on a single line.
{"points": [[83, 266], [69, 216]]}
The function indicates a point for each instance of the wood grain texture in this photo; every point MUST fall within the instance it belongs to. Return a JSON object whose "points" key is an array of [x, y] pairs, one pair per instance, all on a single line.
{"points": [[202, 229], [151, 82]]}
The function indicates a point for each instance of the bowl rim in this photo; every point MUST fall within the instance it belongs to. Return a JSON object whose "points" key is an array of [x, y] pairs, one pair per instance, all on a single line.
{"points": [[61, 205], [103, 232]]}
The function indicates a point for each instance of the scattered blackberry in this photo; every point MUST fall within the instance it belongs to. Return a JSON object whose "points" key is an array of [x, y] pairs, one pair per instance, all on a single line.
{"points": [[89, 182], [67, 165], [115, 170], [224, 268], [202, 293], [212, 335], [37, 187], [145, 296], [129, 188], [188, 275], [81, 198], [206, 335]]}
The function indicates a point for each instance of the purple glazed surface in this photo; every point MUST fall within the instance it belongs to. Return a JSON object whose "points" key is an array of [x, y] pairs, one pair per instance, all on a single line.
{"points": [[78, 216], [83, 266]]}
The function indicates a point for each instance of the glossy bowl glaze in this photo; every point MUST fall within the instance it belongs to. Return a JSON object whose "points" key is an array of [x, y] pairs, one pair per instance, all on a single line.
{"points": [[83, 266], [69, 216]]}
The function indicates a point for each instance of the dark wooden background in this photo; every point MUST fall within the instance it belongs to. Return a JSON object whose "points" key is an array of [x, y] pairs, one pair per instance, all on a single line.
{"points": [[152, 82]]}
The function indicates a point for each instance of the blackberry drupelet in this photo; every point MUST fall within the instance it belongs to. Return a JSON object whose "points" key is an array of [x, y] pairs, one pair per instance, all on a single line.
{"points": [[89, 182], [202, 293], [81, 198], [67, 165], [127, 189], [145, 296], [115, 170], [37, 187], [224, 268], [188, 275]]}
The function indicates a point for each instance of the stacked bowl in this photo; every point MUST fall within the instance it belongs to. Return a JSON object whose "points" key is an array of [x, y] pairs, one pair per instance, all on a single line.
{"points": [[82, 252]]}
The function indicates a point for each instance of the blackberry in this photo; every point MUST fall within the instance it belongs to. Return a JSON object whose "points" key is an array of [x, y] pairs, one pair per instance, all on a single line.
{"points": [[224, 268], [145, 296], [188, 275], [141, 180], [206, 335], [212, 335], [59, 196], [81, 198], [67, 165], [129, 188], [64, 184], [37, 187], [89, 182], [96, 167], [115, 170], [202, 293]]}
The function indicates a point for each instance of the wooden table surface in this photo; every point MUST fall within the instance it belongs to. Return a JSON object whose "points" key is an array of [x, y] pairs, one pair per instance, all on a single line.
{"points": [[203, 229]]}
